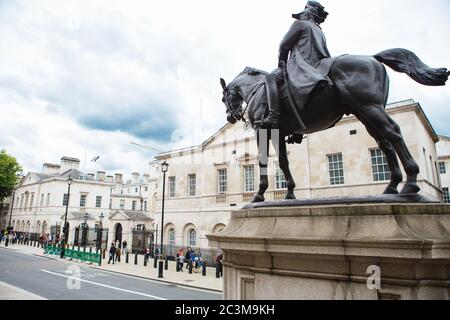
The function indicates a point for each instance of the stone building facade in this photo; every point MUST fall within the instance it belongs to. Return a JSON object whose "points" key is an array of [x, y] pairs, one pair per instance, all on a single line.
{"points": [[443, 166], [205, 183]]}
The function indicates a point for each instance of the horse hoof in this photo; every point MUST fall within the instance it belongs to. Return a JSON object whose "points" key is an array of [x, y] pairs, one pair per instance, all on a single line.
{"points": [[410, 188], [258, 198], [390, 190], [290, 196]]}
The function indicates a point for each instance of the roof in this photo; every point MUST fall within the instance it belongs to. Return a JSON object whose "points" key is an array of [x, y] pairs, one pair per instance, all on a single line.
{"points": [[131, 215]]}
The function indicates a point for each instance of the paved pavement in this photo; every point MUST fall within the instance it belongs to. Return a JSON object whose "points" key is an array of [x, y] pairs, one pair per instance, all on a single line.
{"points": [[33, 276]]}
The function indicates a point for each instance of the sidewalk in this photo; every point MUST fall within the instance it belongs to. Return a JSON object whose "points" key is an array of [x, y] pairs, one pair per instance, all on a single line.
{"points": [[196, 280]]}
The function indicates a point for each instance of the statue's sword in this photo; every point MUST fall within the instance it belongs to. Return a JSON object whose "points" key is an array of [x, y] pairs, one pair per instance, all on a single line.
{"points": [[291, 99]]}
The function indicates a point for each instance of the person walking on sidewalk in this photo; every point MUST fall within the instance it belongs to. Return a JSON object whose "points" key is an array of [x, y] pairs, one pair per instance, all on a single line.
{"points": [[112, 253], [118, 253], [124, 246], [187, 257]]}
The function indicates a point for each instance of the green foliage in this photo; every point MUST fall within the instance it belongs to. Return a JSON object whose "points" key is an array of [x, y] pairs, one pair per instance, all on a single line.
{"points": [[9, 168]]}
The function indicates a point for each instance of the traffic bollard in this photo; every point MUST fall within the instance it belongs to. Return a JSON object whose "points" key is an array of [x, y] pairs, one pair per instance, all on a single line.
{"points": [[145, 261], [155, 261], [204, 269], [160, 270], [84, 249], [104, 253], [135, 258], [90, 249], [126, 258], [190, 266], [166, 264], [79, 247], [177, 267], [34, 243], [217, 270]]}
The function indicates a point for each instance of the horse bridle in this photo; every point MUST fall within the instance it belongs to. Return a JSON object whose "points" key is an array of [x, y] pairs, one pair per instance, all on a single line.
{"points": [[246, 99]]}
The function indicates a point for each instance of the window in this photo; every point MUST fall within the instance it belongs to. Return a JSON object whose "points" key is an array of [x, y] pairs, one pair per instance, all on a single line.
{"points": [[172, 187], [32, 200], [192, 238], [122, 204], [135, 190], [280, 180], [380, 167], [336, 169], [17, 202], [146, 188], [172, 236], [442, 168], [110, 203], [42, 200], [192, 184], [145, 205], [249, 178], [65, 199], [21, 201], [26, 200], [133, 205], [47, 202], [83, 200], [445, 196], [98, 201], [222, 181]]}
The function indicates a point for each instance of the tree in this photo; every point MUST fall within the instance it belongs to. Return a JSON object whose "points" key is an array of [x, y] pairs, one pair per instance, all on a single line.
{"points": [[9, 168]]}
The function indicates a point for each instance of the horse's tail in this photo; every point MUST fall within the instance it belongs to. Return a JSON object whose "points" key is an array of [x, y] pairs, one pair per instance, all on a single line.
{"points": [[405, 61]]}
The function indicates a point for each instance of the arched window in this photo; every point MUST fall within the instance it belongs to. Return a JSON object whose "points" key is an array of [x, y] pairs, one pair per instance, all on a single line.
{"points": [[192, 238], [172, 236]]}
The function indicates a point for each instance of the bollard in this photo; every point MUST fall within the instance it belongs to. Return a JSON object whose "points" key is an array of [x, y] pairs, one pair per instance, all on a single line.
{"points": [[104, 253], [34, 243], [73, 247], [217, 270], [84, 249], [160, 270], [190, 266], [90, 249], [145, 261], [166, 264], [204, 269], [78, 247], [177, 267], [155, 261], [126, 258], [135, 258]]}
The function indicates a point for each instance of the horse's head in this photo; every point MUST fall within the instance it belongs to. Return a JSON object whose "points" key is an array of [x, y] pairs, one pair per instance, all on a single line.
{"points": [[233, 102]]}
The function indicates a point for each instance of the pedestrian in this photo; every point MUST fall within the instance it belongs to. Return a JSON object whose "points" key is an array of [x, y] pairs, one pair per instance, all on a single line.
{"points": [[124, 246], [187, 257], [146, 254], [219, 264], [181, 262], [118, 254], [112, 252]]}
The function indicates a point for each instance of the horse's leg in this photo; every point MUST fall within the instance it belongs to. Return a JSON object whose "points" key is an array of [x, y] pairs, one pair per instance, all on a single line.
{"points": [[262, 139], [279, 143], [391, 157], [390, 131]]}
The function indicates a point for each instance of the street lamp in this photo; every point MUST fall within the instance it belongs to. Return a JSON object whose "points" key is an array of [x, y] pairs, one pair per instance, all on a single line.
{"points": [[164, 168], [10, 216], [64, 242]]}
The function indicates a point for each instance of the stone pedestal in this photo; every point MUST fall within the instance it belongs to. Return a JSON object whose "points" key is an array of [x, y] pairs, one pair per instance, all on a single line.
{"points": [[333, 252]]}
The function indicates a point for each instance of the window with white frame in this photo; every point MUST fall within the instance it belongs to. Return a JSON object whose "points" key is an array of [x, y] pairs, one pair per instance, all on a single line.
{"points": [[192, 238], [280, 180], [336, 169], [83, 200], [47, 202], [172, 236], [192, 184], [172, 187], [65, 199], [249, 178], [31, 200], [110, 203], [133, 205], [122, 204], [27, 196], [445, 196], [98, 201], [442, 168], [222, 181], [42, 200], [380, 167], [21, 201], [145, 205]]}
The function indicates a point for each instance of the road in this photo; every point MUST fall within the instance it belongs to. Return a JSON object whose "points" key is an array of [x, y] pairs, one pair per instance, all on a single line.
{"points": [[55, 280]]}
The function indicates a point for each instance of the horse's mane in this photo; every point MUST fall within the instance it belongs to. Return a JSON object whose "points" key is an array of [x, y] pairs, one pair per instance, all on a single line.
{"points": [[253, 72]]}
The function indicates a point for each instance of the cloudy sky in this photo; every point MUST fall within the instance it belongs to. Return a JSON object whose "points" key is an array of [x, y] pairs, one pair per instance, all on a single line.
{"points": [[85, 78]]}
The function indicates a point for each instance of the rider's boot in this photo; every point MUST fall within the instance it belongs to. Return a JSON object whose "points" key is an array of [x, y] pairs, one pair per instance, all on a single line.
{"points": [[272, 121]]}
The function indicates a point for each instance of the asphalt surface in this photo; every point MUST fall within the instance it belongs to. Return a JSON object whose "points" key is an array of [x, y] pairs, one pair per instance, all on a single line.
{"points": [[55, 280]]}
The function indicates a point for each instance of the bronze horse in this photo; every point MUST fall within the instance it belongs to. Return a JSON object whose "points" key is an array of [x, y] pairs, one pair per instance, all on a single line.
{"points": [[360, 87]]}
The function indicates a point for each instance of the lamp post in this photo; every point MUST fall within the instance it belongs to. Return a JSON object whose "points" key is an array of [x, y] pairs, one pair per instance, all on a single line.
{"points": [[64, 242], [10, 216], [164, 168]]}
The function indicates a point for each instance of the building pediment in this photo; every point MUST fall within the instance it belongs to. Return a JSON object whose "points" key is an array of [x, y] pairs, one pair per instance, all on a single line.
{"points": [[118, 215]]}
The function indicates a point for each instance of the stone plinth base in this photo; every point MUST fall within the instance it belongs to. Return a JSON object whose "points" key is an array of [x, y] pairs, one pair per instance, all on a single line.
{"points": [[333, 252]]}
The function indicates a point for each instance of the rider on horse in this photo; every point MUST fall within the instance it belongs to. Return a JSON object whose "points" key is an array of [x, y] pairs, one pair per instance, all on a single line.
{"points": [[307, 46]]}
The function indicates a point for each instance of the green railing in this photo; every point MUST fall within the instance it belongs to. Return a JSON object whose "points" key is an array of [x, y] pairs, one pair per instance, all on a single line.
{"points": [[74, 254]]}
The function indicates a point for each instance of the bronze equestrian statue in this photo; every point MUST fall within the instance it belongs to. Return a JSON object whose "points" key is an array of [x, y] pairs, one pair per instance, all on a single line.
{"points": [[310, 92]]}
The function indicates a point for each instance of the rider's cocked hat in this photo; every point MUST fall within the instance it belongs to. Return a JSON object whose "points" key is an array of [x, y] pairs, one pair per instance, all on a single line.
{"points": [[315, 9]]}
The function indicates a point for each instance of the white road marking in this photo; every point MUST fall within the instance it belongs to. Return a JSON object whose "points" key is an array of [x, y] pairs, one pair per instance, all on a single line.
{"points": [[104, 285]]}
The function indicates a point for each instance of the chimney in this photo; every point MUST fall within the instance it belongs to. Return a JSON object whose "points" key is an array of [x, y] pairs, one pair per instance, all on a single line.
{"points": [[118, 178], [68, 163], [135, 177], [50, 168], [109, 179], [100, 176]]}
